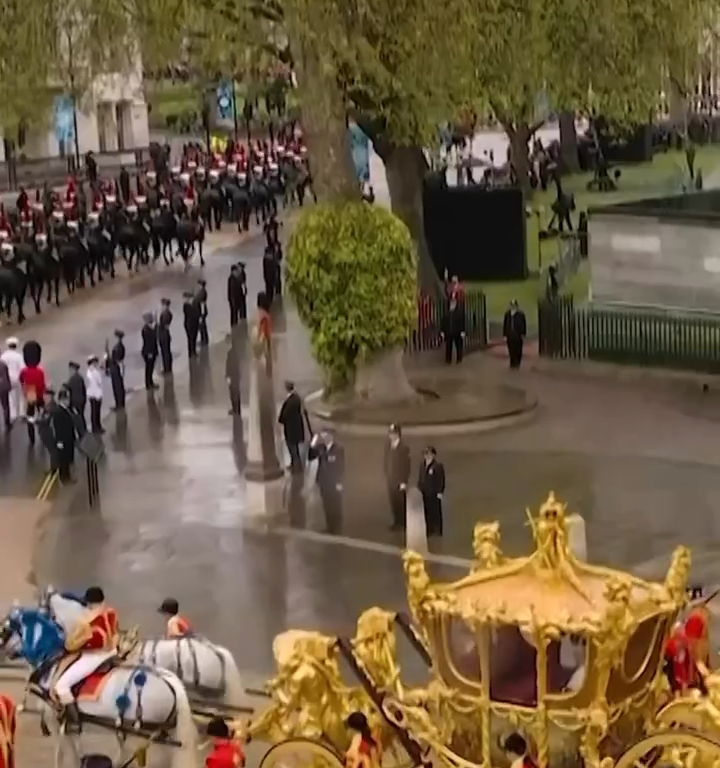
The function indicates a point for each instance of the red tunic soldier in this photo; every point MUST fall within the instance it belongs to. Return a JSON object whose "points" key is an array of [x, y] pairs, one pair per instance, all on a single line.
{"points": [[226, 752], [70, 192], [8, 725]]}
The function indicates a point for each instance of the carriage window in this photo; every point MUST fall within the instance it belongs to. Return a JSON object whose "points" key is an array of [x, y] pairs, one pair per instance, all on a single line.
{"points": [[463, 650], [513, 672], [566, 664]]}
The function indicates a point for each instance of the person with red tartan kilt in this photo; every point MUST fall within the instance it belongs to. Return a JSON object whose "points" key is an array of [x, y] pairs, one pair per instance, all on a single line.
{"points": [[226, 751], [95, 641]]}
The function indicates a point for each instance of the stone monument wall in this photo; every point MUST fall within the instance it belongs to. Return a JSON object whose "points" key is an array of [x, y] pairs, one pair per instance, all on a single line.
{"points": [[650, 260]]}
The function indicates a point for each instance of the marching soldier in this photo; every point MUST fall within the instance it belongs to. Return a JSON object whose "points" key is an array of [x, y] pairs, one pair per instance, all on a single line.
{"points": [[164, 337], [177, 625], [116, 370], [96, 640], [191, 322], [201, 298]]}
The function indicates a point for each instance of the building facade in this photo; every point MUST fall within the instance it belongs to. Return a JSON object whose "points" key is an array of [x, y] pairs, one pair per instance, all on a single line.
{"points": [[111, 117]]}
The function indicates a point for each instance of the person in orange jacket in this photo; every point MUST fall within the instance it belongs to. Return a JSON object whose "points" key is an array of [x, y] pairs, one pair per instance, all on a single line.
{"points": [[226, 752]]}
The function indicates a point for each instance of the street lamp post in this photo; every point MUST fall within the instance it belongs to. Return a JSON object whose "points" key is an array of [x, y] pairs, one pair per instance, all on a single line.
{"points": [[73, 96]]}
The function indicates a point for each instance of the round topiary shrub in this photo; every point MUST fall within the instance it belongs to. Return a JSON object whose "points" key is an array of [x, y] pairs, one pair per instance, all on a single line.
{"points": [[351, 270]]}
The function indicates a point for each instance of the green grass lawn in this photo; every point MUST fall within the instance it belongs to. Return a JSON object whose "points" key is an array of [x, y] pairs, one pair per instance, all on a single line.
{"points": [[664, 175]]}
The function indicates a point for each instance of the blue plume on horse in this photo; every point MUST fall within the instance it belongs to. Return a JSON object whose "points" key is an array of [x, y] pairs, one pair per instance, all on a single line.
{"points": [[42, 638], [123, 703], [140, 679]]}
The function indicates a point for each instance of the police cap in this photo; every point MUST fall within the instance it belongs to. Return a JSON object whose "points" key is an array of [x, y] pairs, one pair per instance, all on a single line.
{"points": [[202, 282], [73, 364], [169, 606], [120, 334], [166, 302], [188, 295]]}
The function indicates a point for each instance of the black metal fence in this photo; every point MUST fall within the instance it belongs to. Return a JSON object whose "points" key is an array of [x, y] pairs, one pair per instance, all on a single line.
{"points": [[632, 336], [431, 313]]}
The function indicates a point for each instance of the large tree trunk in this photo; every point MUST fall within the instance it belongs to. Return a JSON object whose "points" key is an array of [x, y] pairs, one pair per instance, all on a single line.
{"points": [[568, 143], [383, 380], [405, 168], [519, 136], [324, 120]]}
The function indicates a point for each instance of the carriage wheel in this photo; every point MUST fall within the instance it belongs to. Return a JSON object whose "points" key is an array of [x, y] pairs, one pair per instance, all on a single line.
{"points": [[301, 753], [671, 746]]}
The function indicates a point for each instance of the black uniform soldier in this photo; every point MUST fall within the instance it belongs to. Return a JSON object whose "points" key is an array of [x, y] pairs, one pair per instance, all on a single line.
{"points": [[116, 370], [396, 466], [164, 337], [292, 418], [237, 294], [431, 484], [190, 322], [77, 389], [201, 298], [63, 426], [149, 349], [331, 469], [270, 268]]}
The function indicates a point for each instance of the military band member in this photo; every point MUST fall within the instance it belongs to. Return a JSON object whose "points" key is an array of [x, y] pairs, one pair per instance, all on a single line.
{"points": [[164, 337], [116, 370], [95, 640], [177, 625], [431, 484], [201, 298]]}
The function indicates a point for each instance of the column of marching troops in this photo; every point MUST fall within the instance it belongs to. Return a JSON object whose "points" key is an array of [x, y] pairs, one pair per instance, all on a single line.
{"points": [[74, 236], [59, 416]]}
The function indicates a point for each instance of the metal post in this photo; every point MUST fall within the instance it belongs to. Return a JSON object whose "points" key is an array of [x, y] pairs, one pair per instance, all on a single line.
{"points": [[73, 94], [235, 114]]}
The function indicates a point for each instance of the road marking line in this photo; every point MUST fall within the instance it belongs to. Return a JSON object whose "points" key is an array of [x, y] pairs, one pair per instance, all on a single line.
{"points": [[368, 546]]}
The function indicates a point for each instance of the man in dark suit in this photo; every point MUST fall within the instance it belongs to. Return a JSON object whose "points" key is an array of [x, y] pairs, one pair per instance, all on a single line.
{"points": [[514, 331], [431, 484], [78, 391], [453, 329], [330, 473], [396, 466], [292, 418], [149, 349]]}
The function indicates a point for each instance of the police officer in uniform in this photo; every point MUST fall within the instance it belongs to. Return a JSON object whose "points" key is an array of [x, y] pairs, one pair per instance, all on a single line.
{"points": [[237, 294], [191, 321], [331, 469], [164, 337], [78, 391], [431, 484], [201, 298], [116, 370]]}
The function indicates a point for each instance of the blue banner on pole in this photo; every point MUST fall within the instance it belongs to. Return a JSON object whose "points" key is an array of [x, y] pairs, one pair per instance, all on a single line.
{"points": [[63, 118], [361, 152], [225, 97]]}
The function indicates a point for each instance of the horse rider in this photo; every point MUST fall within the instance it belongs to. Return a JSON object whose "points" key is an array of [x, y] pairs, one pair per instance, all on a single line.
{"points": [[227, 752], [95, 640], [177, 625]]}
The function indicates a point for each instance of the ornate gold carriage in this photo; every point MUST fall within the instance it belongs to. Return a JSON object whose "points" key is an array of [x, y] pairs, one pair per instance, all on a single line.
{"points": [[565, 653]]}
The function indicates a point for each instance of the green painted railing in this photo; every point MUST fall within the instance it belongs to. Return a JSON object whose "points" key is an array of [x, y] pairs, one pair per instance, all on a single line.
{"points": [[630, 336]]}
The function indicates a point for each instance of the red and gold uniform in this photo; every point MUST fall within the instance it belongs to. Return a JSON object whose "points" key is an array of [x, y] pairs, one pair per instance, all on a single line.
{"points": [[363, 753], [178, 626], [697, 632], [226, 753], [70, 192], [8, 725], [677, 653], [99, 633]]}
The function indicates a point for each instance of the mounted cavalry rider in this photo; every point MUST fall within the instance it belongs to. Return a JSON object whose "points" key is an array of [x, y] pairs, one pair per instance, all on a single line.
{"points": [[177, 625], [95, 641]]}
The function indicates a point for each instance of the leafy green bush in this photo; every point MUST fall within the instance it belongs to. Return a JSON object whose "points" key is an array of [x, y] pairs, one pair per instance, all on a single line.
{"points": [[351, 270]]}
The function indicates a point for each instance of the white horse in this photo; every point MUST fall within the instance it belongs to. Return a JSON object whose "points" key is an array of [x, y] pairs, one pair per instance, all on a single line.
{"points": [[205, 669], [125, 699]]}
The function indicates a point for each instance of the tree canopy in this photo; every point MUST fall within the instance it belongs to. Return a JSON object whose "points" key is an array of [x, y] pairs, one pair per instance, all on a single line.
{"points": [[351, 272]]}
